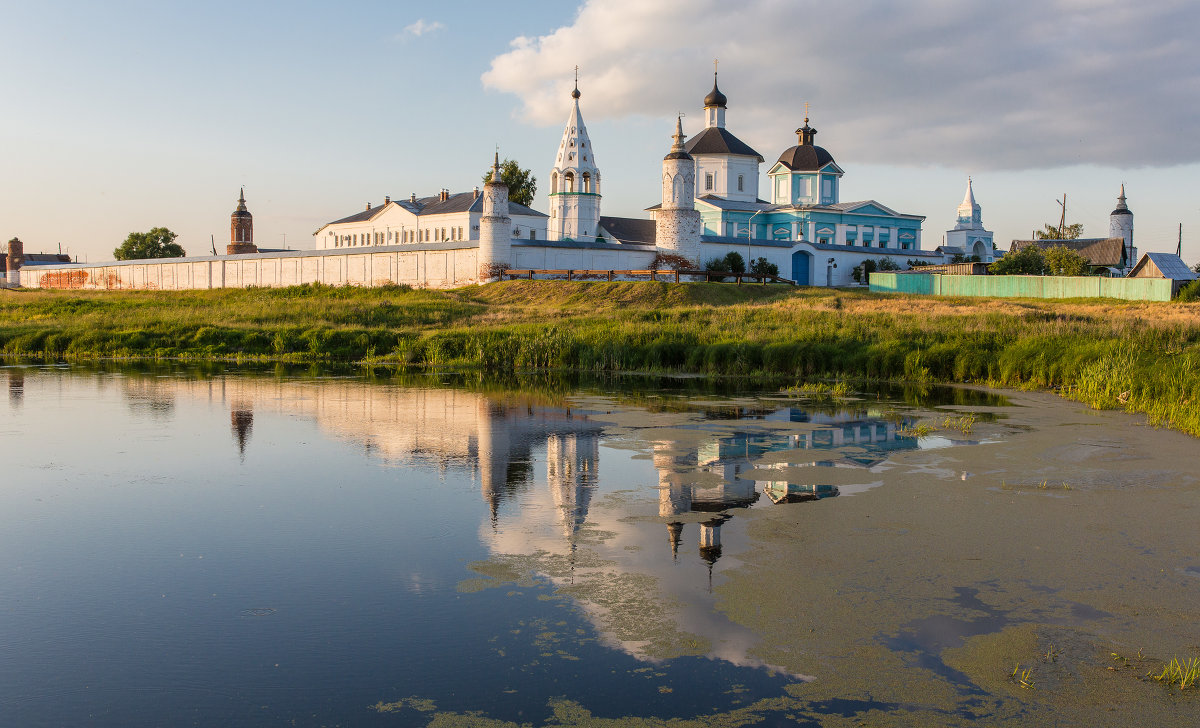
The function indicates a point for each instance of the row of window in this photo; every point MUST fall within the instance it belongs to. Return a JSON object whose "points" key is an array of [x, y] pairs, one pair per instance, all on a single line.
{"points": [[708, 182], [422, 235]]}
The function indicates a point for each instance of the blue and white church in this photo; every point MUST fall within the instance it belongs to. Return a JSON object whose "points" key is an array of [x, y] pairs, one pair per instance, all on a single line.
{"points": [[804, 227]]}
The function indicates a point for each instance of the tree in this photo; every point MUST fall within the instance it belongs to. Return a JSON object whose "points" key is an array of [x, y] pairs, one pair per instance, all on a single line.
{"points": [[861, 273], [1062, 261], [522, 185], [1051, 232], [1196, 267], [764, 267], [735, 261], [158, 243], [886, 264], [1028, 261]]}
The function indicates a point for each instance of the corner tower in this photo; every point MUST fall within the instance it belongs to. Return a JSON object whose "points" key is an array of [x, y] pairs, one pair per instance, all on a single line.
{"points": [[677, 222], [241, 229], [1120, 225], [575, 182], [495, 226]]}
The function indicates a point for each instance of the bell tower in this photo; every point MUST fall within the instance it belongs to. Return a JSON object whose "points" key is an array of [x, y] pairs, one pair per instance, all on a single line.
{"points": [[575, 181], [241, 229]]}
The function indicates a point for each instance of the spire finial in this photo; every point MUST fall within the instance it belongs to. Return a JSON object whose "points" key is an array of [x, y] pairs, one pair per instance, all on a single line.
{"points": [[575, 93], [678, 145], [496, 165], [805, 112]]}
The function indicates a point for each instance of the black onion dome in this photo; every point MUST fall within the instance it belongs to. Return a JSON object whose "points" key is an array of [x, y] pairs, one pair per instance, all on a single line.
{"points": [[1121, 211], [715, 97], [805, 158]]}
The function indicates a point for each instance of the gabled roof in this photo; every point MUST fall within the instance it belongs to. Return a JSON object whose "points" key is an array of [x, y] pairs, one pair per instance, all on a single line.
{"points": [[716, 140], [362, 215], [852, 206], [722, 203], [434, 205], [629, 229], [1169, 265], [1108, 252]]}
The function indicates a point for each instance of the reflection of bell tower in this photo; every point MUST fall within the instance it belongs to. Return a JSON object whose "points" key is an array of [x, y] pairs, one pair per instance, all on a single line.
{"points": [[675, 531], [571, 472], [710, 542], [494, 444], [16, 387], [241, 421]]}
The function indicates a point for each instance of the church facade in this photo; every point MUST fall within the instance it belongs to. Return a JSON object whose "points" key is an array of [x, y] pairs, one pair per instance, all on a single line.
{"points": [[804, 227]]}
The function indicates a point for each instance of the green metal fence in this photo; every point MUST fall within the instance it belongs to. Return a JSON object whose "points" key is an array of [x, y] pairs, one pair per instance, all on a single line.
{"points": [[933, 284]]}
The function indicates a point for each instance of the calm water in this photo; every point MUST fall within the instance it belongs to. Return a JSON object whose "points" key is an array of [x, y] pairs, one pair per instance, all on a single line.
{"points": [[232, 548]]}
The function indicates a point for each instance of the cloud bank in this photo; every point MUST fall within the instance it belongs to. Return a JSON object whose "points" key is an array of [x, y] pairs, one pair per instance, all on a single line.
{"points": [[964, 83]]}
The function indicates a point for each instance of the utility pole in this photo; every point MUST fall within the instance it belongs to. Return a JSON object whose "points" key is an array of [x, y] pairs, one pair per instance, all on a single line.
{"points": [[1062, 221], [213, 239], [1179, 245]]}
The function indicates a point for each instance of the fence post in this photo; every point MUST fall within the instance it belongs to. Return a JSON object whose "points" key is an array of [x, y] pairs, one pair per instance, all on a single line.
{"points": [[531, 274], [610, 276], [676, 275], [569, 274], [652, 275]]}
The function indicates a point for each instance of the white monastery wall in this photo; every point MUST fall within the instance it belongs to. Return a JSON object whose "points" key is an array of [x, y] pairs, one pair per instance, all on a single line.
{"points": [[443, 266]]}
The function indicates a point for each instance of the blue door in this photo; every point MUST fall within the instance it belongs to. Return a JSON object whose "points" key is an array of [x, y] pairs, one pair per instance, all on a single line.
{"points": [[802, 268]]}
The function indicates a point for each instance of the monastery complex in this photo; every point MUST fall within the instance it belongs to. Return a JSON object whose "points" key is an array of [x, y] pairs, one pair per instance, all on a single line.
{"points": [[710, 205]]}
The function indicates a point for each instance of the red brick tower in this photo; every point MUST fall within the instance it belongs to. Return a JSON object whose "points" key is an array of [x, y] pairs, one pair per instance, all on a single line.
{"points": [[241, 229]]}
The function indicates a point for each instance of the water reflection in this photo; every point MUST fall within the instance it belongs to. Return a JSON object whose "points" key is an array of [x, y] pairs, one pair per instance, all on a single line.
{"points": [[16, 387]]}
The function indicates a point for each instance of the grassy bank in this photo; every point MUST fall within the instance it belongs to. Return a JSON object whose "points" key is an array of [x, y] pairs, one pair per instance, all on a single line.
{"points": [[1140, 357]]}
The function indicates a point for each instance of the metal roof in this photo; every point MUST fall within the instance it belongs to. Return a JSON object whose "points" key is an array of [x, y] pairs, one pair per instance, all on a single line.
{"points": [[716, 140], [1099, 251], [1171, 266]]}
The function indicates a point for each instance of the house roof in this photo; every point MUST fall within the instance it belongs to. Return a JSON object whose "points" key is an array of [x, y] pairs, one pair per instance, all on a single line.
{"points": [[1169, 265], [629, 229], [1108, 252], [716, 140], [722, 203]]}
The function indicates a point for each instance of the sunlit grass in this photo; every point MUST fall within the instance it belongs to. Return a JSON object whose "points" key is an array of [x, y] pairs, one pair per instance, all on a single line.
{"points": [[1132, 356]]}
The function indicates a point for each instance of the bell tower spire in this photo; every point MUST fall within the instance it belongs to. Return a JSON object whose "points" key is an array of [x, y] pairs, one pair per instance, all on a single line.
{"points": [[575, 180]]}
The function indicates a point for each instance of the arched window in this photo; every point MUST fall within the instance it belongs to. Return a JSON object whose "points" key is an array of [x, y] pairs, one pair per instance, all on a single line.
{"points": [[554, 181], [587, 182], [569, 182]]}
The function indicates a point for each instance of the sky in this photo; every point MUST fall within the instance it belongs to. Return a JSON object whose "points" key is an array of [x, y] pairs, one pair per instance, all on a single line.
{"points": [[126, 115]]}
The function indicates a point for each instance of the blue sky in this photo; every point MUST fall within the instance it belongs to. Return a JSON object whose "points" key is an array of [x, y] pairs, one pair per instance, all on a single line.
{"points": [[127, 115]]}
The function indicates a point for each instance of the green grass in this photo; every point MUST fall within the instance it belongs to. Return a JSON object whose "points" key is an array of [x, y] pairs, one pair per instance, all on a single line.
{"points": [[1133, 356]]}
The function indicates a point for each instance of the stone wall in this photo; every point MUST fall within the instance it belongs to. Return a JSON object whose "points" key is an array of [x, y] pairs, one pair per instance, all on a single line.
{"points": [[436, 265]]}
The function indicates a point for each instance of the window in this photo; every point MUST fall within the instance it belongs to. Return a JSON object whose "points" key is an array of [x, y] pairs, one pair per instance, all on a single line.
{"points": [[587, 182], [569, 182], [826, 188], [708, 180], [460, 233], [554, 180], [741, 183], [443, 233], [532, 236]]}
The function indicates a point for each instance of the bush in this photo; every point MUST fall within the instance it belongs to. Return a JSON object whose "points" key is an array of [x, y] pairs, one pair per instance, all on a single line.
{"points": [[1062, 261], [735, 261], [764, 267], [886, 264], [1028, 261], [669, 261], [1189, 293], [861, 272]]}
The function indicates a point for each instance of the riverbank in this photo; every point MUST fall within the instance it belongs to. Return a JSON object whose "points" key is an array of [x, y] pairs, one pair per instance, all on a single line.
{"points": [[1140, 357]]}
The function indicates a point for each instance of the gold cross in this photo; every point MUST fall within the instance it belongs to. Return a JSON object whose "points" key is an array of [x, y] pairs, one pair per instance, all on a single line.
{"points": [[715, 63], [806, 112], [576, 74]]}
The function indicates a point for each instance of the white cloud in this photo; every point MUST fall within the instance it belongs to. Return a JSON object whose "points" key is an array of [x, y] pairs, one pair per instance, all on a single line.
{"points": [[421, 27], [963, 83]]}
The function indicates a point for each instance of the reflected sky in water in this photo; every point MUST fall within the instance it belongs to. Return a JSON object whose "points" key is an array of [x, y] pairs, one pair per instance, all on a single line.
{"points": [[241, 549]]}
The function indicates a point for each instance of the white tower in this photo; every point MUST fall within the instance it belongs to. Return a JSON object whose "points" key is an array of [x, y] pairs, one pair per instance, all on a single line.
{"points": [[1120, 225], [575, 182], [677, 222], [968, 232], [495, 226]]}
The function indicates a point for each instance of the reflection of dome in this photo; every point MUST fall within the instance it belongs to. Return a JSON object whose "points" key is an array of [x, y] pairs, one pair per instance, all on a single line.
{"points": [[710, 538]]}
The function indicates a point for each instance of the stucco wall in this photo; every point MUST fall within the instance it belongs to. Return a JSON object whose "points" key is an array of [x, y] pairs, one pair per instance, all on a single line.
{"points": [[433, 266]]}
